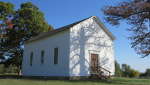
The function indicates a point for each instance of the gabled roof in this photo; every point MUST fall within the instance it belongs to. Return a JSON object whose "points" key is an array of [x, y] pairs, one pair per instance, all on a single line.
{"points": [[53, 32]]}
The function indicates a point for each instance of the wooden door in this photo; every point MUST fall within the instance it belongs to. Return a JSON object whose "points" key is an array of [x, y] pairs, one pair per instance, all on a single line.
{"points": [[94, 63]]}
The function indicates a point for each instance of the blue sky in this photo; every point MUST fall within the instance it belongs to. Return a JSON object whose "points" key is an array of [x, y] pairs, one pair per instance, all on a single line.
{"points": [[62, 12]]}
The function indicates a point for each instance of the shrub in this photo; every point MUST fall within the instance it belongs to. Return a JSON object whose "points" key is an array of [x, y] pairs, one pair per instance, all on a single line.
{"points": [[134, 73]]}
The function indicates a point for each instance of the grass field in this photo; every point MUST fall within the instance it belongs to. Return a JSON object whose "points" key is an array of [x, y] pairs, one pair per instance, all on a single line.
{"points": [[115, 81]]}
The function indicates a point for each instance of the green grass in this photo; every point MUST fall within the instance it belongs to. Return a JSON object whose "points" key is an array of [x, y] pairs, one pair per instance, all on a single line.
{"points": [[115, 81]]}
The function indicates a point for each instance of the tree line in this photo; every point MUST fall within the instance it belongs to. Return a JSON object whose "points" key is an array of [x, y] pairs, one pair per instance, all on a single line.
{"points": [[126, 71]]}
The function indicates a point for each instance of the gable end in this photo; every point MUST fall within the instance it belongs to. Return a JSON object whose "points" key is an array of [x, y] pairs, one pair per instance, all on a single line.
{"points": [[97, 20]]}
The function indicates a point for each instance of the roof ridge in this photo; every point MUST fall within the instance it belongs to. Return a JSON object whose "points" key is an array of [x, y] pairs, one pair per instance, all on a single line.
{"points": [[43, 34], [52, 32], [75, 23]]}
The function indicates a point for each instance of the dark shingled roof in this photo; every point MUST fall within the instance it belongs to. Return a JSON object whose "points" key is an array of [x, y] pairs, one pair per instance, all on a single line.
{"points": [[46, 34]]}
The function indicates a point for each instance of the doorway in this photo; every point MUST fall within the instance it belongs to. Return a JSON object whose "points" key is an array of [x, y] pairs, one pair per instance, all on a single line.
{"points": [[94, 63]]}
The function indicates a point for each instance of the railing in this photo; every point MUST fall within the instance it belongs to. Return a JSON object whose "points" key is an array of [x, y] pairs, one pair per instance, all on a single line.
{"points": [[101, 68], [100, 72]]}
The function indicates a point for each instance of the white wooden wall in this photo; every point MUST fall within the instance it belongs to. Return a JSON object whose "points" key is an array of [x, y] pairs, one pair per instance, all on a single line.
{"points": [[61, 41], [86, 38]]}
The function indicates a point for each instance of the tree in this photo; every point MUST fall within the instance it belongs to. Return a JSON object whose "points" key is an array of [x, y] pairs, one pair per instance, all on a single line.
{"points": [[129, 72], [6, 9], [146, 73], [137, 14], [118, 71], [19, 26], [126, 70], [134, 73]]}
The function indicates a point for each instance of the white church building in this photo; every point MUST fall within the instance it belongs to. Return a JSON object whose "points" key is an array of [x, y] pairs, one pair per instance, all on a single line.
{"points": [[80, 49]]}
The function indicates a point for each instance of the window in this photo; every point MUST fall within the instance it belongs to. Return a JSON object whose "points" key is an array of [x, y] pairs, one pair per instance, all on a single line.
{"points": [[31, 58], [42, 56], [55, 55]]}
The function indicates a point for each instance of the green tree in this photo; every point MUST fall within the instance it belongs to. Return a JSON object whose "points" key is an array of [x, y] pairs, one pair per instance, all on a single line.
{"points": [[118, 71], [126, 70], [137, 14], [129, 72], [5, 10], [134, 73], [147, 73], [20, 25]]}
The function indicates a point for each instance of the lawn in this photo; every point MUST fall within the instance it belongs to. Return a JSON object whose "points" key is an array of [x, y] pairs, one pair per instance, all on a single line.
{"points": [[115, 81]]}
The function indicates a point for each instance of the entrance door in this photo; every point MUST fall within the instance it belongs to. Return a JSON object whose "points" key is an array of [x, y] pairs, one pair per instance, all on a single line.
{"points": [[94, 63]]}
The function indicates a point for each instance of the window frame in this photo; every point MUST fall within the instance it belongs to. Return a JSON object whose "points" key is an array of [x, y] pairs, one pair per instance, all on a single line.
{"points": [[56, 54], [42, 56], [31, 58]]}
